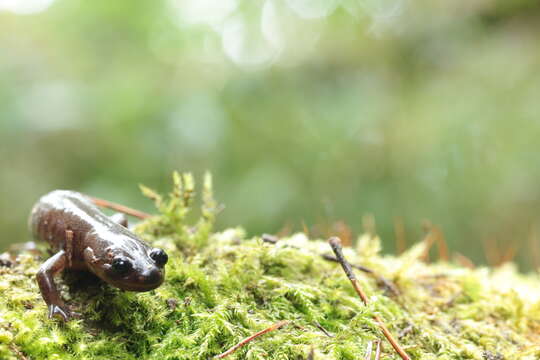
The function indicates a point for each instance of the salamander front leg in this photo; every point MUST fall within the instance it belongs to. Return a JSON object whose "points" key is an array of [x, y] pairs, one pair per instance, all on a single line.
{"points": [[45, 279], [120, 218]]}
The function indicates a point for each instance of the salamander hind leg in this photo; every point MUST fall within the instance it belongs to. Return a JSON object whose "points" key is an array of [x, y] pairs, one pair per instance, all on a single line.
{"points": [[49, 292], [120, 218]]}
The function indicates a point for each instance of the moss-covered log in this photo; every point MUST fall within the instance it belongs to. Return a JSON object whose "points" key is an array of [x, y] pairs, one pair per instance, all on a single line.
{"points": [[222, 287]]}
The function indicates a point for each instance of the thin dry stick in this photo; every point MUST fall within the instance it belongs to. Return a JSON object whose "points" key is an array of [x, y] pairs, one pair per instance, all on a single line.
{"points": [[311, 355], [378, 350], [252, 337], [491, 251], [369, 350], [464, 261], [509, 253], [335, 243], [320, 327], [435, 235], [429, 239], [441, 243], [344, 232], [381, 279], [305, 228], [120, 208], [20, 355], [332, 258], [389, 285]]}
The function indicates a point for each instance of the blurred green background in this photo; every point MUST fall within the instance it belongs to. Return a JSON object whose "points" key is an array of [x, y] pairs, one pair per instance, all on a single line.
{"points": [[305, 111]]}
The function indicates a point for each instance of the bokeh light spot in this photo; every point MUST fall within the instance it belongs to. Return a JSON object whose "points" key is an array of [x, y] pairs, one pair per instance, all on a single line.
{"points": [[244, 43], [25, 7], [293, 37], [312, 9], [203, 11]]}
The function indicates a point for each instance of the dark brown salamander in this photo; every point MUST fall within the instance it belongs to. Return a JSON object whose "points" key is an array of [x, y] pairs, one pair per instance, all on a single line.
{"points": [[83, 238]]}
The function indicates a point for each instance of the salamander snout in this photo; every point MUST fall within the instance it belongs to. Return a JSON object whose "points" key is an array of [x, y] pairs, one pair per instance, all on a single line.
{"points": [[141, 278], [144, 272], [152, 276]]}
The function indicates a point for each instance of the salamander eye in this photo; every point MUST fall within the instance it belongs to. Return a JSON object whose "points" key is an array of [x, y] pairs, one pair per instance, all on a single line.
{"points": [[121, 266], [159, 256]]}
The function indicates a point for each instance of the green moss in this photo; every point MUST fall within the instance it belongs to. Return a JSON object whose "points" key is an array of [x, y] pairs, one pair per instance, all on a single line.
{"points": [[222, 287]]}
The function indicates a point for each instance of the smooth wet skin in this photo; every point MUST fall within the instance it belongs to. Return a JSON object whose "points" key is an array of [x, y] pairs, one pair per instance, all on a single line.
{"points": [[83, 238]]}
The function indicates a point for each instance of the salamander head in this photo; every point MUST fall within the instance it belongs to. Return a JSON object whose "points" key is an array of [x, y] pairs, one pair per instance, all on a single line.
{"points": [[129, 265]]}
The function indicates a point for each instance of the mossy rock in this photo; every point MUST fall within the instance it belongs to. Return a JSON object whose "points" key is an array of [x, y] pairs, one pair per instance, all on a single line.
{"points": [[222, 287]]}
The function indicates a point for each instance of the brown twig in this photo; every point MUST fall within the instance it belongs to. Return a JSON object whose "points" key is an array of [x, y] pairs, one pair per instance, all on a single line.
{"points": [[305, 228], [491, 251], [311, 355], [429, 239], [320, 327], [434, 236], [335, 243], [343, 231], [509, 253], [18, 352], [286, 230], [332, 258], [441, 243], [496, 254], [464, 261], [251, 338], [120, 208], [387, 284]]}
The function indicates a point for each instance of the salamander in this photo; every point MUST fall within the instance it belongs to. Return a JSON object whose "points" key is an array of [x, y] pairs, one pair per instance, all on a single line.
{"points": [[84, 238]]}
